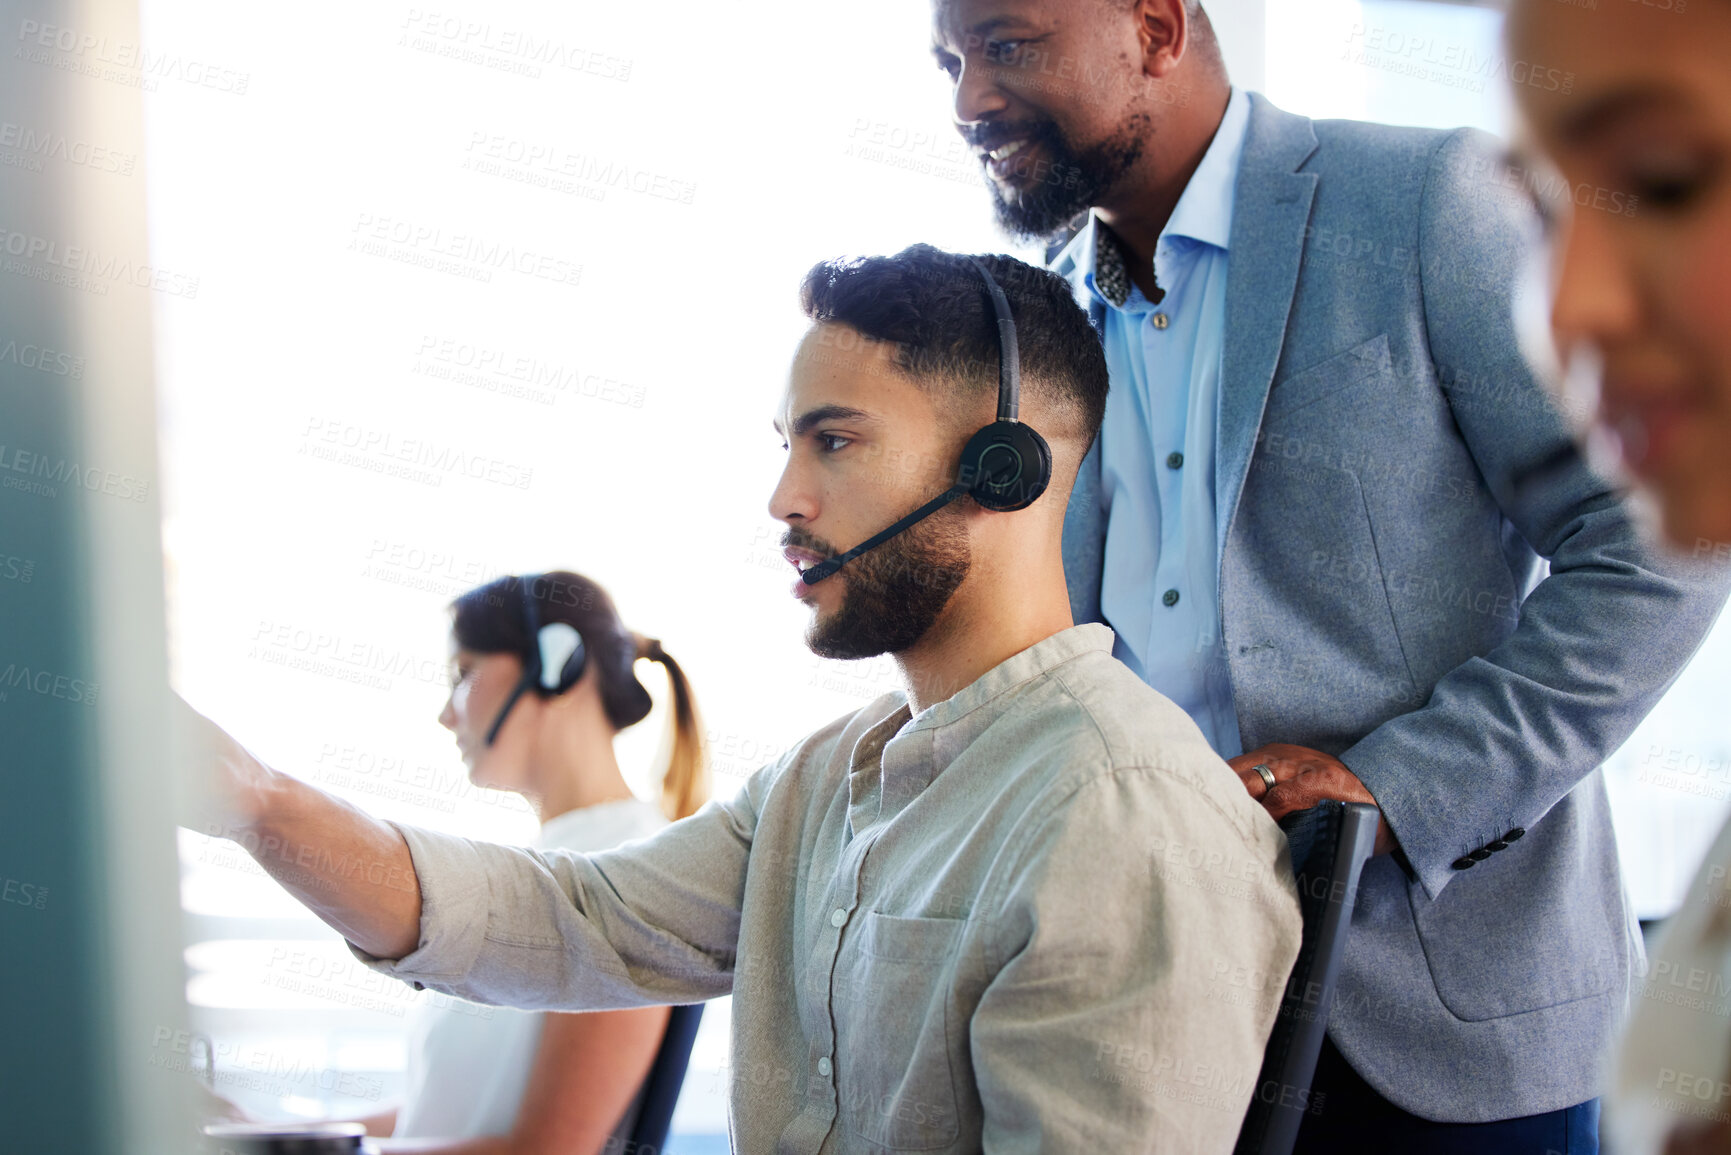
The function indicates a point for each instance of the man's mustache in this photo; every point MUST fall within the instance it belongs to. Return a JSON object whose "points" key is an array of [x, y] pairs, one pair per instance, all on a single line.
{"points": [[985, 137], [799, 539]]}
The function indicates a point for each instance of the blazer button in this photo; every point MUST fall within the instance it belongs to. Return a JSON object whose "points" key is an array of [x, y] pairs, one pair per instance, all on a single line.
{"points": [[1514, 834], [1462, 863], [1497, 844], [1480, 854]]}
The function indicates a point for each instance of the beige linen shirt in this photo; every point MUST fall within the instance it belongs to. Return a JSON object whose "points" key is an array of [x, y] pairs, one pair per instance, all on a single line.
{"points": [[1041, 916]]}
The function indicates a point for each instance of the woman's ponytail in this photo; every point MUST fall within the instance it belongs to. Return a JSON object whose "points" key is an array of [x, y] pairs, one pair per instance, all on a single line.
{"points": [[685, 782]]}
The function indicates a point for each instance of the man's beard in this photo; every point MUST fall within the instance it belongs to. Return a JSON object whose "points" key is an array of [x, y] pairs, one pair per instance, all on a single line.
{"points": [[894, 591], [1074, 181]]}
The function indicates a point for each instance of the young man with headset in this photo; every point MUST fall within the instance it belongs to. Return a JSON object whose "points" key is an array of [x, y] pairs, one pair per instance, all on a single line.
{"points": [[1019, 904]]}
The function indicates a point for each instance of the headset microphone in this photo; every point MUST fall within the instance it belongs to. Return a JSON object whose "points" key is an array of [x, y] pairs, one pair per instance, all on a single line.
{"points": [[553, 660], [1004, 466]]}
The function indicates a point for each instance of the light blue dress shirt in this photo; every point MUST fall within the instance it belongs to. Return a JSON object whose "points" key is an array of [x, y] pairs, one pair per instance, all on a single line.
{"points": [[1160, 591]]}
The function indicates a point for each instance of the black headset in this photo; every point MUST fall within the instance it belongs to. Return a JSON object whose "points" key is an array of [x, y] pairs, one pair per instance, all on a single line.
{"points": [[553, 655], [1005, 466]]}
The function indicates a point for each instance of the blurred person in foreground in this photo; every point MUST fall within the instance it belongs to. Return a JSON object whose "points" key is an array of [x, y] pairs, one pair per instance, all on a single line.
{"points": [[542, 679], [1640, 316], [1018, 904]]}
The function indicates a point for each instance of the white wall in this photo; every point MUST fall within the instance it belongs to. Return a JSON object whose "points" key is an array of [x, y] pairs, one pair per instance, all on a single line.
{"points": [[1241, 26]]}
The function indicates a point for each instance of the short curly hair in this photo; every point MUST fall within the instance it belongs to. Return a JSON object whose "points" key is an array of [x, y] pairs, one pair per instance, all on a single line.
{"points": [[933, 307]]}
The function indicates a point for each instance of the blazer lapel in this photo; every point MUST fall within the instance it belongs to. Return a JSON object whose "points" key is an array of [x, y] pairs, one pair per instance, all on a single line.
{"points": [[1270, 210]]}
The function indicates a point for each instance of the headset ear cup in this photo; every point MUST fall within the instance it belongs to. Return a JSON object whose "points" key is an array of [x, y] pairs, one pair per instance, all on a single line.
{"points": [[574, 666], [1006, 466], [560, 648]]}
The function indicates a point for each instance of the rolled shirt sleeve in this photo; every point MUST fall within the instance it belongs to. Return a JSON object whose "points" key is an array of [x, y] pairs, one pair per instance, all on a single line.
{"points": [[654, 921]]}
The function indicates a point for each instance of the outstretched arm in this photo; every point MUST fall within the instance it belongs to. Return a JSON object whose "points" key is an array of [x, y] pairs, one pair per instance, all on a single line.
{"points": [[651, 922], [347, 867]]}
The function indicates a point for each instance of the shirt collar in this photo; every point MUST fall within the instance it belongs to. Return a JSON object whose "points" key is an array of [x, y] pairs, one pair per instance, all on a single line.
{"points": [[1203, 212], [1012, 672], [898, 756]]}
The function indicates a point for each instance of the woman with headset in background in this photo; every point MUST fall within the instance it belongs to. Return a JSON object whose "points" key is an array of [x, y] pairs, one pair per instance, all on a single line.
{"points": [[1642, 285], [542, 679]]}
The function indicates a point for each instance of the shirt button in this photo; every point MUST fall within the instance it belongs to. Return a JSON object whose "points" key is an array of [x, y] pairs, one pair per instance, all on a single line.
{"points": [[837, 916], [1174, 460], [1170, 597], [823, 1066], [1160, 321]]}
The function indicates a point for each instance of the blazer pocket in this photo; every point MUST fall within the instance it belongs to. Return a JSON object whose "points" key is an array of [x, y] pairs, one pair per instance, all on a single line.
{"points": [[1495, 948], [896, 1086], [1340, 371]]}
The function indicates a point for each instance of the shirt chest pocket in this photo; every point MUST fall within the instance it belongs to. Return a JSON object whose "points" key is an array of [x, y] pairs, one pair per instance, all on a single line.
{"points": [[897, 1031]]}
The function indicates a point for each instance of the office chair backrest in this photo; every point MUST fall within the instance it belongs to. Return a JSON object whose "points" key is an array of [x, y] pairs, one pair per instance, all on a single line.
{"points": [[1330, 844], [666, 1076]]}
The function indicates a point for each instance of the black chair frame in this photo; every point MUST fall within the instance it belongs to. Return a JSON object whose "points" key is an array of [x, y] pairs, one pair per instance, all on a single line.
{"points": [[1330, 844]]}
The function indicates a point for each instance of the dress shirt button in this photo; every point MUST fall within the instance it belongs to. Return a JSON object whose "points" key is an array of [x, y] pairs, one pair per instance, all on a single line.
{"points": [[1170, 597], [1174, 460], [1517, 832], [837, 916], [1160, 321], [823, 1066], [1462, 863]]}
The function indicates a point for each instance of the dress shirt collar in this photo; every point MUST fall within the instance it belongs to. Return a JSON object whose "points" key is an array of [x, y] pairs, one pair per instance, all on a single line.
{"points": [[1013, 671], [1203, 212]]}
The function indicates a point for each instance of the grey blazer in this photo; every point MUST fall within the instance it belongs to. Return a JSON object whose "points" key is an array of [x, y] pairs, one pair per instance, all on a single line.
{"points": [[1392, 483]]}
